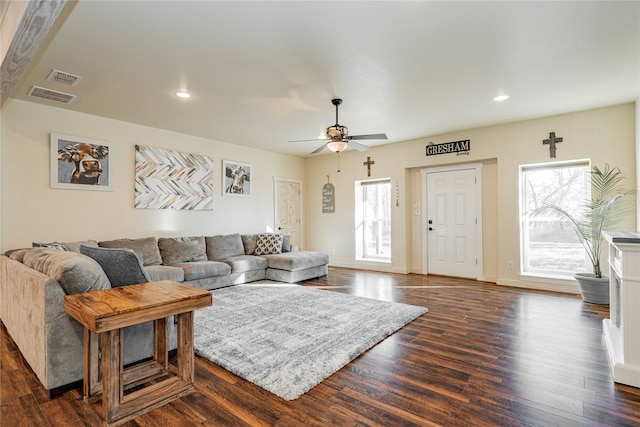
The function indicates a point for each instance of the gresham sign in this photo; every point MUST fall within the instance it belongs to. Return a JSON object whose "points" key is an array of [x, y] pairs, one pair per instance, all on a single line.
{"points": [[460, 147]]}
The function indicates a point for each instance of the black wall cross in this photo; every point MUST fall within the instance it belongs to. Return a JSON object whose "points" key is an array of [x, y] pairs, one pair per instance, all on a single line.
{"points": [[552, 141], [368, 164]]}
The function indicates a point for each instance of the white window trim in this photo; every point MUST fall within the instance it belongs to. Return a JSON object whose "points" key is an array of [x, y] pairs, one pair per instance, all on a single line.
{"points": [[544, 277], [359, 257]]}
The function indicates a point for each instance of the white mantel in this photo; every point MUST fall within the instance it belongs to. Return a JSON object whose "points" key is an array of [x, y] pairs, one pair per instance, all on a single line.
{"points": [[622, 329]]}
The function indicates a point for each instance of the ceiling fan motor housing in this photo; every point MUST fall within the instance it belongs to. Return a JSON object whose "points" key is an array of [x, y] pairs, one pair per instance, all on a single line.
{"points": [[337, 132]]}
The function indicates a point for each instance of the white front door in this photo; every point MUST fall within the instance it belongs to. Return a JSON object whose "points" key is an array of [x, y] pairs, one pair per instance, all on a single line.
{"points": [[452, 223], [288, 209]]}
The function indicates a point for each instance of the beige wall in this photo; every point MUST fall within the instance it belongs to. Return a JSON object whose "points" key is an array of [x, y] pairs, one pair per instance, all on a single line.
{"points": [[605, 135], [32, 211]]}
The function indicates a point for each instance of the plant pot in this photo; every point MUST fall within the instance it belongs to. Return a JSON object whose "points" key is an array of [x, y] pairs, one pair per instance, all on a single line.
{"points": [[593, 289]]}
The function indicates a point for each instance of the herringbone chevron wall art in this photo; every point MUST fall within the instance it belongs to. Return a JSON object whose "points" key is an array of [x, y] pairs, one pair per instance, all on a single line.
{"points": [[167, 179]]}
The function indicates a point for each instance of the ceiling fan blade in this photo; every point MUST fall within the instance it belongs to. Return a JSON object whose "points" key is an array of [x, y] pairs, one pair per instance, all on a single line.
{"points": [[307, 140], [319, 149], [370, 136], [357, 146]]}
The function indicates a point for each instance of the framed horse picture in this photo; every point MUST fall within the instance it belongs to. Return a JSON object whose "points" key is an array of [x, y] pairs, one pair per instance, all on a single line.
{"points": [[236, 179]]}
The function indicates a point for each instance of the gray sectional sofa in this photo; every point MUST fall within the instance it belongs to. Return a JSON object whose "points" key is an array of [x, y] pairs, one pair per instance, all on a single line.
{"points": [[34, 281]]}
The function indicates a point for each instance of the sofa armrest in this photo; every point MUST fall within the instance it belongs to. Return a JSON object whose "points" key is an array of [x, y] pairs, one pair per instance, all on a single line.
{"points": [[31, 307]]}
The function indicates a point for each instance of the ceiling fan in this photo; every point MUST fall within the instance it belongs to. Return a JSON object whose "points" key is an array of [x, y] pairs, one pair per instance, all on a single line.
{"points": [[338, 139]]}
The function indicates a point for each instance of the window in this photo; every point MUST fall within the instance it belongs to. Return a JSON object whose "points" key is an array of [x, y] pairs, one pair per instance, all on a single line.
{"points": [[549, 246], [373, 220]]}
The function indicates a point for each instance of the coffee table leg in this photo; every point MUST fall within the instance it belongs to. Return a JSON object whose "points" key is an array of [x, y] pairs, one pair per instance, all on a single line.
{"points": [[185, 347], [112, 390], [161, 343], [91, 365]]}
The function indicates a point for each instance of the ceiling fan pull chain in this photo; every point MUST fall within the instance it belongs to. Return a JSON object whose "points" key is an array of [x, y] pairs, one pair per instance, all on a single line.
{"points": [[338, 162]]}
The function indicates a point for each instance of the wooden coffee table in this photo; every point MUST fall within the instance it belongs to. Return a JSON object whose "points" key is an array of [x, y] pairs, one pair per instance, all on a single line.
{"points": [[104, 314]]}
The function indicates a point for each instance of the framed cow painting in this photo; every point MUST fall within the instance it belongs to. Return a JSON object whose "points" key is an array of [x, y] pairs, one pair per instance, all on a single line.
{"points": [[236, 179], [80, 163]]}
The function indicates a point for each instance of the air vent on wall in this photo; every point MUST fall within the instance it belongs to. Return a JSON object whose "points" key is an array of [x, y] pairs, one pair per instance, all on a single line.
{"points": [[52, 95], [64, 78]]}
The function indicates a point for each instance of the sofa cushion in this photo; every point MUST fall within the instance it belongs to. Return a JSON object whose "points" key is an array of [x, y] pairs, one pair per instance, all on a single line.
{"points": [[122, 266], [286, 243], [242, 263], [17, 254], [249, 241], [75, 272], [293, 261], [195, 270], [164, 272], [268, 243], [182, 249], [75, 246], [146, 248], [224, 246]]}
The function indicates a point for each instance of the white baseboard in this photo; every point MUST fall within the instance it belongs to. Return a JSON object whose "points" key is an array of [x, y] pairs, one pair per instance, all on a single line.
{"points": [[561, 286], [565, 288], [371, 266]]}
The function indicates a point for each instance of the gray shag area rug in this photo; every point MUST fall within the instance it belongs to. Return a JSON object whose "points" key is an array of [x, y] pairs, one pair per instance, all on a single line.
{"points": [[288, 338]]}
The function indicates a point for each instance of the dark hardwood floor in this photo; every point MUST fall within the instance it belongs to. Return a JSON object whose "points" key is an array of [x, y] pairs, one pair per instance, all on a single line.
{"points": [[484, 355]]}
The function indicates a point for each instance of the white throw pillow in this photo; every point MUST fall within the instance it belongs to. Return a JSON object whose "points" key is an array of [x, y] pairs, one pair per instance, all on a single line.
{"points": [[269, 243]]}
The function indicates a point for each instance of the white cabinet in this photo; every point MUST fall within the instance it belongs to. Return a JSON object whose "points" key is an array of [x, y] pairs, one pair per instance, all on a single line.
{"points": [[622, 329]]}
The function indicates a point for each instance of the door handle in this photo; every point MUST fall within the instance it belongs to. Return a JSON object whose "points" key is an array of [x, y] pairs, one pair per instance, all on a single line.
{"points": [[430, 228]]}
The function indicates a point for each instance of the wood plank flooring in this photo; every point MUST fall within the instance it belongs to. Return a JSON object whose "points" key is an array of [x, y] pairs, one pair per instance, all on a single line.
{"points": [[484, 355]]}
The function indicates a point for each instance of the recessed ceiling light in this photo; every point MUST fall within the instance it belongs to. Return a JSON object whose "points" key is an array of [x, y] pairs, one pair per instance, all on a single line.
{"points": [[183, 94], [501, 98]]}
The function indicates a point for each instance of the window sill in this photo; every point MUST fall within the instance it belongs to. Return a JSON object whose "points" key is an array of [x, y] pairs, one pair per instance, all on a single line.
{"points": [[548, 278], [373, 261]]}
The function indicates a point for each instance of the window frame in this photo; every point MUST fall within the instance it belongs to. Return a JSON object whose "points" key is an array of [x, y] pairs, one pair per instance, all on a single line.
{"points": [[524, 217], [361, 221]]}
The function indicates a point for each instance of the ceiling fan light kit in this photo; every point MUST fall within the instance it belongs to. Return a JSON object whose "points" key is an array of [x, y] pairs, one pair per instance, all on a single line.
{"points": [[337, 146]]}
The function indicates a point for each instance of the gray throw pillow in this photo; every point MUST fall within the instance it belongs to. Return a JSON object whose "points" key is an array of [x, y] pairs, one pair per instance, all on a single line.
{"points": [[122, 266], [74, 272]]}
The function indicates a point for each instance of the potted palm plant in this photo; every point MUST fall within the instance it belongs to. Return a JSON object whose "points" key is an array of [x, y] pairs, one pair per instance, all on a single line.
{"points": [[609, 204]]}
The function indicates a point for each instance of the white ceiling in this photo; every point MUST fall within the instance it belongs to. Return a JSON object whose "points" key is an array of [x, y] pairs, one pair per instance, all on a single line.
{"points": [[263, 73]]}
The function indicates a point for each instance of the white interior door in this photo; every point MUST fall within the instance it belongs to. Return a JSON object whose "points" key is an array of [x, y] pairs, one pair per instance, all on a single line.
{"points": [[288, 209], [452, 224]]}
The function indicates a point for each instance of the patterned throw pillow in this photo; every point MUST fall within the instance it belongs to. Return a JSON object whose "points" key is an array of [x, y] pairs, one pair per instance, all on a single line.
{"points": [[269, 243], [52, 245]]}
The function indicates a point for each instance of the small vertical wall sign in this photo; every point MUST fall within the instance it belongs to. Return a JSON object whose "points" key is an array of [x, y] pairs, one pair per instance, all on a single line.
{"points": [[328, 197]]}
